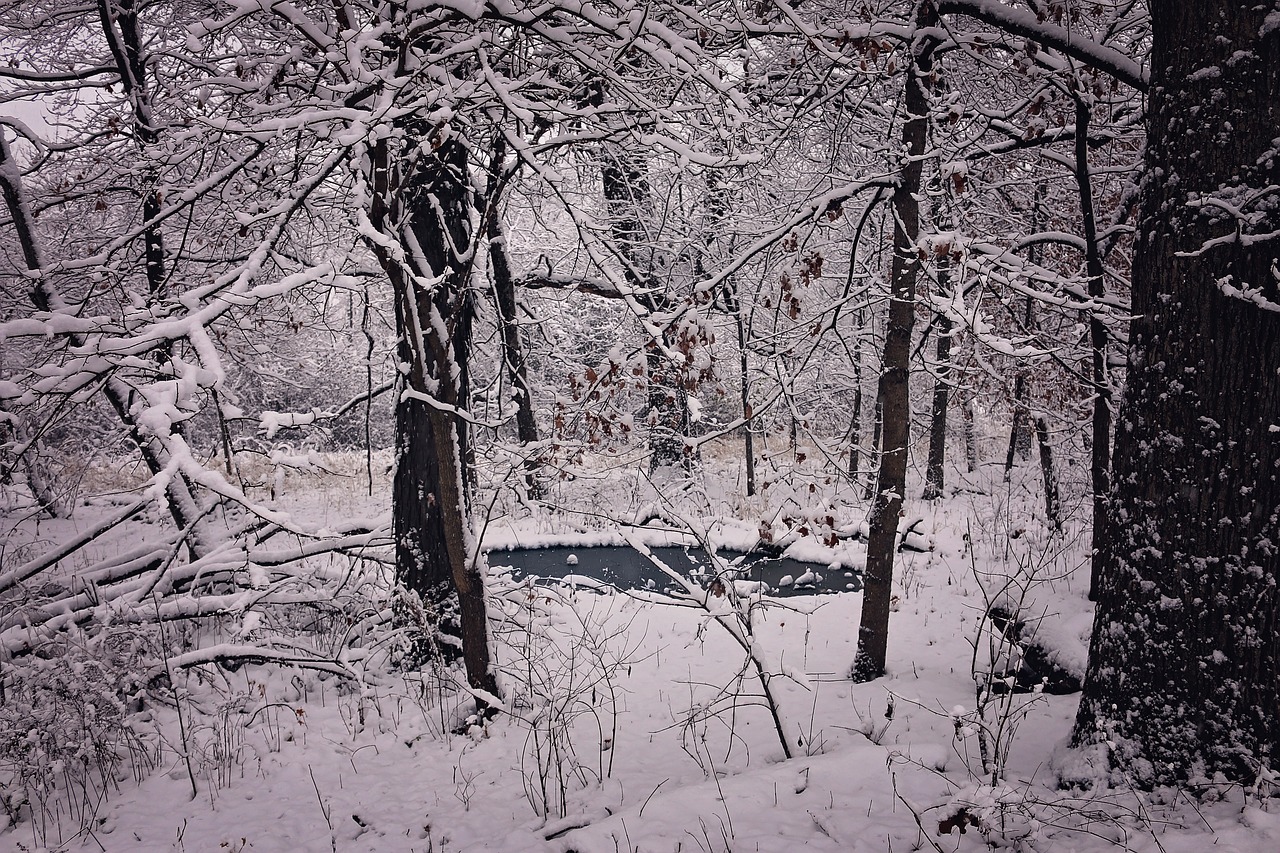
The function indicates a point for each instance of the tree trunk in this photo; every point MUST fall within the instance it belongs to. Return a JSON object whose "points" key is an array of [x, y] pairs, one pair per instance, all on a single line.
{"points": [[970, 437], [1184, 668], [855, 422], [1100, 451], [893, 395], [734, 305], [627, 193], [1020, 428], [421, 200], [934, 482], [1052, 500], [877, 426], [514, 351]]}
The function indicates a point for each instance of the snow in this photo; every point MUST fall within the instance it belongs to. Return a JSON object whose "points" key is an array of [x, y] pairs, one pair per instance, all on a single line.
{"points": [[662, 740]]}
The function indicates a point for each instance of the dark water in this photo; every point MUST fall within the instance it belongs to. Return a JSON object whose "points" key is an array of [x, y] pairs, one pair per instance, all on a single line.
{"points": [[626, 568]]}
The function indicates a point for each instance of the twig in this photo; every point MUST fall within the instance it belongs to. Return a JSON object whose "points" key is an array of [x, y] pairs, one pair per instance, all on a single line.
{"points": [[177, 703], [915, 816]]}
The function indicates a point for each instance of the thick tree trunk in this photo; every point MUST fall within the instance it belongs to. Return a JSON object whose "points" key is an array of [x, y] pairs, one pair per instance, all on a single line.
{"points": [[422, 556], [421, 199], [1184, 669], [626, 190], [894, 396]]}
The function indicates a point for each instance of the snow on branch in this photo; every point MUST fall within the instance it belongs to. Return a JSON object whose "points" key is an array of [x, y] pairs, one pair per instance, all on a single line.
{"points": [[1025, 23]]}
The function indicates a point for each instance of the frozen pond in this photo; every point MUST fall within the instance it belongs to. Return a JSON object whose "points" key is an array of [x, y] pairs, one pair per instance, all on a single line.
{"points": [[626, 568]]}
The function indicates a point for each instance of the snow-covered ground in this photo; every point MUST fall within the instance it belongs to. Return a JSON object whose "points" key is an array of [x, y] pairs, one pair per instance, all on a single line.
{"points": [[634, 725]]}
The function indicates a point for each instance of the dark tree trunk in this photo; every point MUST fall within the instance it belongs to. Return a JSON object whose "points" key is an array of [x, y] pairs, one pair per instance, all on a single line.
{"points": [[119, 20], [421, 198], [1020, 428], [1100, 450], [734, 305], [855, 421], [970, 437], [1183, 672], [859, 395], [627, 192], [422, 556], [1052, 500], [894, 396], [668, 412], [748, 437], [934, 479], [513, 350], [719, 202]]}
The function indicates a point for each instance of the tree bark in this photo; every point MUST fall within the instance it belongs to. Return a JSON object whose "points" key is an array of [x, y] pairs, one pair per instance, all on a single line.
{"points": [[627, 193], [1100, 451], [970, 437], [893, 395], [1020, 428], [1184, 669], [513, 349], [734, 306], [1052, 499], [877, 427], [934, 479], [855, 421], [421, 199]]}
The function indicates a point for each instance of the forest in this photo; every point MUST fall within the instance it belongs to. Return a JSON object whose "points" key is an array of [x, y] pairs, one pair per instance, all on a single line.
{"points": [[598, 425]]}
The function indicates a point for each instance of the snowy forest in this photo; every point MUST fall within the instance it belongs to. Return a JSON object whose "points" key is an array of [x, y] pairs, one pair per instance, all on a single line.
{"points": [[637, 425]]}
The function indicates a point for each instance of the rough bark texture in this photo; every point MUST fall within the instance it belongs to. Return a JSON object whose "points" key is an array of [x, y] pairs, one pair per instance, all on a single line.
{"points": [[422, 199], [1183, 673], [894, 397]]}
